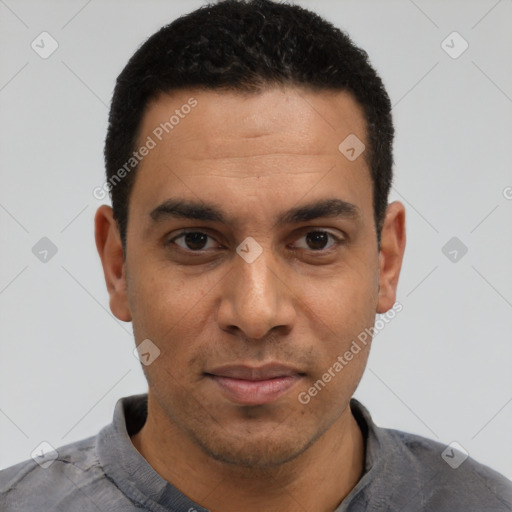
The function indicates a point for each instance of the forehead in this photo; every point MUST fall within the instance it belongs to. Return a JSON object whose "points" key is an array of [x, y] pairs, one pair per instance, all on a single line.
{"points": [[234, 124], [266, 145]]}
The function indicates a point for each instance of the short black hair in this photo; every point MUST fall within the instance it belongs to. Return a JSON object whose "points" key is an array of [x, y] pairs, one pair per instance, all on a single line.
{"points": [[246, 46]]}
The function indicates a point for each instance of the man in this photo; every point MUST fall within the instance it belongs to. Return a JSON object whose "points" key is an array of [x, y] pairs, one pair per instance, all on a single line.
{"points": [[251, 244]]}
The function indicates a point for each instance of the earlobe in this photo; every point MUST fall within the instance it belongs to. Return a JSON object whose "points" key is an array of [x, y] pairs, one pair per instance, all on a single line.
{"points": [[110, 250], [391, 255]]}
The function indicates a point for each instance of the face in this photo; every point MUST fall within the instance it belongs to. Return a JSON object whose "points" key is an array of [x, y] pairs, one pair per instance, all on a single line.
{"points": [[252, 264]]}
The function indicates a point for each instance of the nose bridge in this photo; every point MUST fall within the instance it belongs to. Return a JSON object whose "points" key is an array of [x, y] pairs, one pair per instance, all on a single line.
{"points": [[258, 281], [254, 300]]}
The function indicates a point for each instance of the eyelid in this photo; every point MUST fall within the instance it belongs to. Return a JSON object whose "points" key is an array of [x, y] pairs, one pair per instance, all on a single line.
{"points": [[185, 231], [339, 240]]}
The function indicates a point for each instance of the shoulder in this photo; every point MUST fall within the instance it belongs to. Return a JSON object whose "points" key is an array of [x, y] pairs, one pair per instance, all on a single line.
{"points": [[447, 478], [405, 471], [66, 477]]}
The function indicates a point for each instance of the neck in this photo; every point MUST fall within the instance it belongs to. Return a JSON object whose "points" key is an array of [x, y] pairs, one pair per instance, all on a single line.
{"points": [[317, 480]]}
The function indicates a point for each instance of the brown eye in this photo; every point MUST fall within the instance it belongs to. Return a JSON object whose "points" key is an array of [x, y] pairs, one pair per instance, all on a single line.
{"points": [[192, 240], [196, 241], [318, 240]]}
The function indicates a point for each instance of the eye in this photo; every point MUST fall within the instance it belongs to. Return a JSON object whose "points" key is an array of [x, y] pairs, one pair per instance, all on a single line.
{"points": [[318, 240], [193, 241]]}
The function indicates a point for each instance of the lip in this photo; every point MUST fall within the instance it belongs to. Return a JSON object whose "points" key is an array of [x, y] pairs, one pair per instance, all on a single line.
{"points": [[249, 385]]}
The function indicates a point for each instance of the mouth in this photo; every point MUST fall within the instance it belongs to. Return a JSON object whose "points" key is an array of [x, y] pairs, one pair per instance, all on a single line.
{"points": [[248, 385]]}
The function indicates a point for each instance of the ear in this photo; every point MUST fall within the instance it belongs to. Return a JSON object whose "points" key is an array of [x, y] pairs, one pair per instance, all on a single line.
{"points": [[110, 249], [391, 254]]}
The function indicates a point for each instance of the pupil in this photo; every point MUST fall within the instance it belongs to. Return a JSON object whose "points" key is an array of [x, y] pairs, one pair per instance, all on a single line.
{"points": [[195, 240], [317, 239]]}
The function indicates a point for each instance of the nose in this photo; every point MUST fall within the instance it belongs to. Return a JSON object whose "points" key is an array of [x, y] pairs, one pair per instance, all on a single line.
{"points": [[256, 298]]}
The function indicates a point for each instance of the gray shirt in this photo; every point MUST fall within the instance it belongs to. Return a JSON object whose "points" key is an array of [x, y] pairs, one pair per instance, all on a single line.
{"points": [[403, 472]]}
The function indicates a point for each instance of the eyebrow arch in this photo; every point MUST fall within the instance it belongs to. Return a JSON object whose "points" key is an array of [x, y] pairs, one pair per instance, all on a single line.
{"points": [[320, 209], [186, 209]]}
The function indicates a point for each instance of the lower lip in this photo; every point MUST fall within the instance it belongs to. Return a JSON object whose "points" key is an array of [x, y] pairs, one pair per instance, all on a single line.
{"points": [[255, 392]]}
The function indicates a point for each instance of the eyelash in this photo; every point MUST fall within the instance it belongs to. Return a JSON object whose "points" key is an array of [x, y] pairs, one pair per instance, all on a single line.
{"points": [[338, 241]]}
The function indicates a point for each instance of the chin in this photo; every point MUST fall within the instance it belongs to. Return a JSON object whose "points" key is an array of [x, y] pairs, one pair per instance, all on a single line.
{"points": [[263, 450]]}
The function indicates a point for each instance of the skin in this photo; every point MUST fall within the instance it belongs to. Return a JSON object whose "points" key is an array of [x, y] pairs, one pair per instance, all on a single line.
{"points": [[254, 156]]}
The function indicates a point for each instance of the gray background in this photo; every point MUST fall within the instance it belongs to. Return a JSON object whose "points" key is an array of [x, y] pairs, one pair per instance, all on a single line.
{"points": [[441, 368]]}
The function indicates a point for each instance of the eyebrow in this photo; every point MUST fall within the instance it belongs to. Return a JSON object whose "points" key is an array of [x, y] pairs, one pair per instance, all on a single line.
{"points": [[182, 209], [186, 209], [320, 209]]}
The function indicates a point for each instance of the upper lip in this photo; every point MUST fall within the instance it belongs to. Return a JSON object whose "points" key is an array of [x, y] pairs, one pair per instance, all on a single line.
{"points": [[244, 372]]}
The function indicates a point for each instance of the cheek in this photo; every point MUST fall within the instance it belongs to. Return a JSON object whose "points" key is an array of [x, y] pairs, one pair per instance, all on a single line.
{"points": [[173, 316], [340, 314], [158, 299], [340, 324], [345, 300], [172, 311]]}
